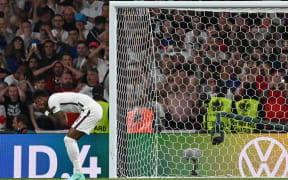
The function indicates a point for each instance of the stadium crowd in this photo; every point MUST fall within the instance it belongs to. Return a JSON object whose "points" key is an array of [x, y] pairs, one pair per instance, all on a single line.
{"points": [[206, 62], [234, 62], [51, 45]]}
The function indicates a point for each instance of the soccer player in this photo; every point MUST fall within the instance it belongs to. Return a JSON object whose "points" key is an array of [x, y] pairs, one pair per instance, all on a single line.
{"points": [[55, 108]]}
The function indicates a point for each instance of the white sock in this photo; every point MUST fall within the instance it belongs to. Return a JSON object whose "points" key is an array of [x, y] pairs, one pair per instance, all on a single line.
{"points": [[73, 153]]}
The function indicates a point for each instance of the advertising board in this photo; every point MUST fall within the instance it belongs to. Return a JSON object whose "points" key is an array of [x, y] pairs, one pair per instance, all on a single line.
{"points": [[45, 156]]}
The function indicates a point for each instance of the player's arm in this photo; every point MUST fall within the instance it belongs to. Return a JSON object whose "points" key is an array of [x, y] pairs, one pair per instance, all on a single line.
{"points": [[55, 113], [58, 118]]}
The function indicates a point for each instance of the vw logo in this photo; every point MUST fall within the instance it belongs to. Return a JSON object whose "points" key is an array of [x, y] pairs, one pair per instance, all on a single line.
{"points": [[272, 163]]}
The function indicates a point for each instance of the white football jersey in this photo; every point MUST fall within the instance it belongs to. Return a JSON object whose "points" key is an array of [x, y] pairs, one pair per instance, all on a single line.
{"points": [[70, 102]]}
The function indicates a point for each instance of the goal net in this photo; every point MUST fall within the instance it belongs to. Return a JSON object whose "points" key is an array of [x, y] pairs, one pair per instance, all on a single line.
{"points": [[198, 91]]}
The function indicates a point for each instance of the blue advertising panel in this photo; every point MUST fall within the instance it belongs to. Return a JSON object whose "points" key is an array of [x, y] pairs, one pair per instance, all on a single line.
{"points": [[45, 156]]}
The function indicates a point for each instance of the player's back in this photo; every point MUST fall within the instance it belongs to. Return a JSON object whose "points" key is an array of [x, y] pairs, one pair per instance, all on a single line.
{"points": [[70, 102]]}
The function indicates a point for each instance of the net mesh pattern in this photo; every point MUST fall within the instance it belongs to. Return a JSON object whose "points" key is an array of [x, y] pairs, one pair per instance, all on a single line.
{"points": [[177, 68]]}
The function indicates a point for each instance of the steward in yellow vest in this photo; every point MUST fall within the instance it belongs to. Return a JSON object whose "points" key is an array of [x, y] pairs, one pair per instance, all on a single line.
{"points": [[217, 104], [103, 124], [246, 107], [248, 104]]}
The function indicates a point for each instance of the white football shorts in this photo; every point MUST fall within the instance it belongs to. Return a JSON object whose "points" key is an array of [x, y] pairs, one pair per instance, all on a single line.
{"points": [[88, 118]]}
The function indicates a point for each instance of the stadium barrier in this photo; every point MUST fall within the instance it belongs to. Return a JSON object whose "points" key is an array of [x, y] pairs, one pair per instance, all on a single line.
{"points": [[45, 156], [217, 128]]}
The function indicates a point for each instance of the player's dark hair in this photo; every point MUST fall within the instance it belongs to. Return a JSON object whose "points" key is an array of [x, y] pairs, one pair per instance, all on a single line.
{"points": [[40, 93]]}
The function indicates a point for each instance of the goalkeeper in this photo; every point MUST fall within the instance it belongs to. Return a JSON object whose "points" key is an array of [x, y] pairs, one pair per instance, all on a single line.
{"points": [[55, 108]]}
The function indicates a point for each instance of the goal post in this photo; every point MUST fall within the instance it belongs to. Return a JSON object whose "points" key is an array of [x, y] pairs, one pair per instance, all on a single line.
{"points": [[139, 144], [112, 91]]}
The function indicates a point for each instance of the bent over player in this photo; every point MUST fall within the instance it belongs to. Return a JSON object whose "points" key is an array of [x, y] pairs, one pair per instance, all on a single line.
{"points": [[55, 108]]}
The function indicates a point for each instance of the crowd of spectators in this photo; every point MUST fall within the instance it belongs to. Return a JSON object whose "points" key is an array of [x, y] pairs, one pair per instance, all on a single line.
{"points": [[52, 45], [62, 45], [205, 54]]}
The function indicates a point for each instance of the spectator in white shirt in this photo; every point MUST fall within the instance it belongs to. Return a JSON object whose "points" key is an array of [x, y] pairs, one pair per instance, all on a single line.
{"points": [[16, 77], [58, 30], [94, 8], [91, 81], [25, 32]]}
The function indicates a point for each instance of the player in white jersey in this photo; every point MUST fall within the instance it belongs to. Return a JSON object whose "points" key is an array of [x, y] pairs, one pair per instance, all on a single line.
{"points": [[55, 108]]}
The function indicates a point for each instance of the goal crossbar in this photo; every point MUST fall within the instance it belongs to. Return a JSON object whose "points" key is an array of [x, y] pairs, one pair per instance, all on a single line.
{"points": [[198, 4]]}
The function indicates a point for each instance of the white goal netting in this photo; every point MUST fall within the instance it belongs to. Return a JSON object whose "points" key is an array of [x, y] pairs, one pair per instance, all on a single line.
{"points": [[178, 68]]}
